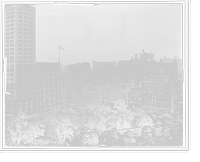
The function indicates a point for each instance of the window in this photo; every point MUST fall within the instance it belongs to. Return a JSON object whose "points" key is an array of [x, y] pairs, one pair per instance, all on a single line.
{"points": [[21, 88], [31, 104], [25, 83], [20, 75], [44, 102], [26, 105]]}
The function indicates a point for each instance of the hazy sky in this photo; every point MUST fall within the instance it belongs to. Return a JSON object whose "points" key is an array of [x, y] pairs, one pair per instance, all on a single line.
{"points": [[107, 32]]}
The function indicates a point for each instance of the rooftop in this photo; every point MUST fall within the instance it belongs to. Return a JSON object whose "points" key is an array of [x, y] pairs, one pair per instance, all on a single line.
{"points": [[47, 64]]}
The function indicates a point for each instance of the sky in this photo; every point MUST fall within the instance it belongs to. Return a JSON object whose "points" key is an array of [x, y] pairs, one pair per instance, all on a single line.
{"points": [[107, 32]]}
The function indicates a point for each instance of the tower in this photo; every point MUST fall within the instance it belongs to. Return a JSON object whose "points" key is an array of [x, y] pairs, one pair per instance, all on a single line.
{"points": [[19, 49]]}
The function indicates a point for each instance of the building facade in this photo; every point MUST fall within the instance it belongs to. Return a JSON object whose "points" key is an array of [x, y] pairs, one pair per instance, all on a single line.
{"points": [[102, 65], [90, 77], [48, 87], [82, 68], [19, 49], [135, 97], [89, 92], [103, 76], [74, 75], [158, 92]]}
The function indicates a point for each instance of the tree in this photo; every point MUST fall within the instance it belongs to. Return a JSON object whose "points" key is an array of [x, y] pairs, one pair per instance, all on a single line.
{"points": [[178, 130], [59, 128], [111, 120], [175, 142], [144, 120], [111, 139], [160, 141], [88, 119], [148, 130], [129, 138], [144, 140], [137, 111], [166, 131], [120, 104], [100, 124], [15, 128], [90, 138], [31, 131]]}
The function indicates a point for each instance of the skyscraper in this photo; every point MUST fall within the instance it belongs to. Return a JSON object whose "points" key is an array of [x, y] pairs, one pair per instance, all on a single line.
{"points": [[19, 49]]}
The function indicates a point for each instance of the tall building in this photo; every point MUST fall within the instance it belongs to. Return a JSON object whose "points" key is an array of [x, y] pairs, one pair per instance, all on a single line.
{"points": [[19, 49], [158, 91]]}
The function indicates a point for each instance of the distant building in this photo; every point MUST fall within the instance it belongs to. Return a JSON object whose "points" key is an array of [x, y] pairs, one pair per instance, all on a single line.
{"points": [[119, 82], [82, 68], [103, 65], [109, 93], [180, 67], [136, 80], [90, 77], [65, 70], [89, 92], [48, 87], [164, 69], [79, 72], [65, 77], [146, 56], [71, 95], [117, 73], [103, 76], [132, 62], [135, 97], [74, 75], [158, 92]]}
